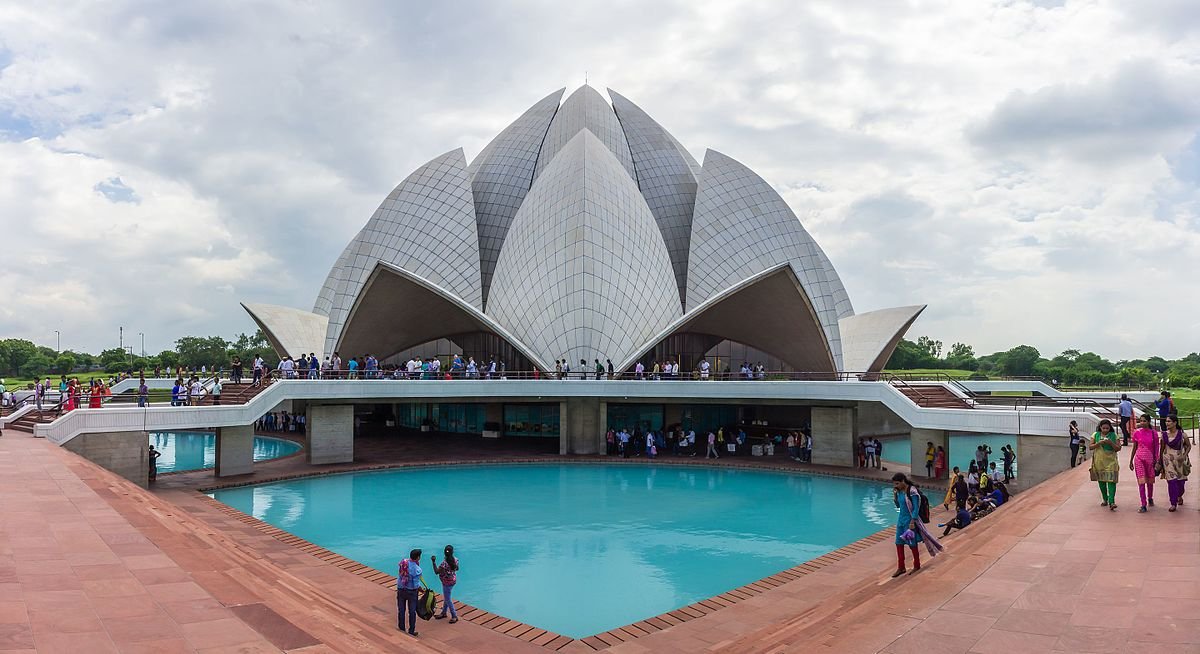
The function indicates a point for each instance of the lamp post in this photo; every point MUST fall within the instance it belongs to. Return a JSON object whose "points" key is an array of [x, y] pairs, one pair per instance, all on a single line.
{"points": [[58, 336], [143, 344]]}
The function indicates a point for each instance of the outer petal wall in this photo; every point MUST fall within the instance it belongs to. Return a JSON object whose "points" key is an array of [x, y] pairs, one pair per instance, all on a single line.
{"points": [[666, 174], [586, 109], [868, 339], [291, 332], [501, 176], [582, 274], [425, 226], [742, 227]]}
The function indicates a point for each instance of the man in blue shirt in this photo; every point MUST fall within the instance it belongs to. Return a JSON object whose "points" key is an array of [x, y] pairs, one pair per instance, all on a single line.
{"points": [[407, 583], [1125, 411], [1165, 408]]}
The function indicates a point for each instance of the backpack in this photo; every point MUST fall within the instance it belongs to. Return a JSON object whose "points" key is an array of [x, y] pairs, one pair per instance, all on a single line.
{"points": [[923, 511]]}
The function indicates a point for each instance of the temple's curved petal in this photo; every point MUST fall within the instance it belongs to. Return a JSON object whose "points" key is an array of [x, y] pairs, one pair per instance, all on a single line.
{"points": [[324, 303], [868, 339], [841, 299], [501, 176], [741, 227], [291, 332], [585, 109], [425, 226], [582, 274], [666, 175], [769, 311], [390, 291]]}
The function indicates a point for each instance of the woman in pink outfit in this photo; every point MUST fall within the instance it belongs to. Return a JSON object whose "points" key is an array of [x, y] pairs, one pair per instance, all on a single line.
{"points": [[1142, 459]]}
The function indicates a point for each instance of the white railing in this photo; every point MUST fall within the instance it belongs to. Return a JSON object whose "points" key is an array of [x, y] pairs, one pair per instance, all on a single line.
{"points": [[166, 418]]}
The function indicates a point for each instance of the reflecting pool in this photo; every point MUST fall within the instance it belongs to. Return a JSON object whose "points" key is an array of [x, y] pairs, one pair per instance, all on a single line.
{"points": [[578, 549], [193, 450]]}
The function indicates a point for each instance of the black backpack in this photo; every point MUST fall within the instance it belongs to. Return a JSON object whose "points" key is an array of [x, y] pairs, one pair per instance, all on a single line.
{"points": [[924, 510]]}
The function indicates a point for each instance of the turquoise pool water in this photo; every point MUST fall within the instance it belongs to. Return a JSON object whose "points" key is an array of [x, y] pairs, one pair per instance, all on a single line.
{"points": [[192, 450], [578, 549]]}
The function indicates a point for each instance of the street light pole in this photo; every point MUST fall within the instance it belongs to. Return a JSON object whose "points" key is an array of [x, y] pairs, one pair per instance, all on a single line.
{"points": [[58, 336], [143, 344]]}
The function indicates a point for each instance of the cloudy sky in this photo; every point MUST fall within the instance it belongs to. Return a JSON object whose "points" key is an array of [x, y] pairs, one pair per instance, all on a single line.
{"points": [[1030, 169]]}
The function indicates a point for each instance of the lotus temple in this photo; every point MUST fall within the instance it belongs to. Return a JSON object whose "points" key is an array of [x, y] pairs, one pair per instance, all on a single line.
{"points": [[585, 231]]}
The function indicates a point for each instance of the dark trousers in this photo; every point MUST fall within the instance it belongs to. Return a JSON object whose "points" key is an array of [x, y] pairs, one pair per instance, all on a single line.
{"points": [[1125, 429], [406, 597], [1074, 454]]}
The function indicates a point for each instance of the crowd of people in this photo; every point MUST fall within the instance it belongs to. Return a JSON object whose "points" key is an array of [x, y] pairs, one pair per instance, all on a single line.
{"points": [[1156, 452], [677, 441], [281, 421]]}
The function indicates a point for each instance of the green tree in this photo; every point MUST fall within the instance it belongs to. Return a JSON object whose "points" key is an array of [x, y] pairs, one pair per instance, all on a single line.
{"points": [[114, 359], [1019, 361], [908, 355], [932, 347], [64, 363], [196, 351], [168, 359], [36, 365], [14, 352]]}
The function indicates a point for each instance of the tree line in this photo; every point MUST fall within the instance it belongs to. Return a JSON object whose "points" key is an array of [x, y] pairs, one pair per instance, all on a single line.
{"points": [[1071, 367], [22, 358]]}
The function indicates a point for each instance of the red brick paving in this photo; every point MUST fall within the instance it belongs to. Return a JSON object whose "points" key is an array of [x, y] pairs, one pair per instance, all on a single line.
{"points": [[91, 563]]}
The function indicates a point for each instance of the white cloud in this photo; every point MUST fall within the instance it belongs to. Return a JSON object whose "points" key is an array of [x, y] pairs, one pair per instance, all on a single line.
{"points": [[1019, 166]]}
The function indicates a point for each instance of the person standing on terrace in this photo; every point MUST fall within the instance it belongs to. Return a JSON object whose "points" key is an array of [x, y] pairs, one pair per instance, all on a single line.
{"points": [[1143, 458], [407, 582], [1175, 462], [1125, 411], [910, 530], [1105, 468]]}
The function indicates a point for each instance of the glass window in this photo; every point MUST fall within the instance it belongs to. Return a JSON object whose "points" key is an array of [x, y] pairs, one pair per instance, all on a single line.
{"points": [[531, 420]]}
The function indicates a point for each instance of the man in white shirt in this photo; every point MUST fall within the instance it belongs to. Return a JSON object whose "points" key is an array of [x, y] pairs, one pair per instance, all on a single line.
{"points": [[197, 390], [639, 371], [704, 368], [258, 370], [288, 367]]}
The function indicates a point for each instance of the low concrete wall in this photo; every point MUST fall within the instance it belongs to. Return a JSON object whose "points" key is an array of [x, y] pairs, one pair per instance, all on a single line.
{"points": [[121, 452], [330, 433]]}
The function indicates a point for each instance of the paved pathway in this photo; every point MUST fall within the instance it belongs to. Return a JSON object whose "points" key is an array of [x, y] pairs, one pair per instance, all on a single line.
{"points": [[90, 563]]}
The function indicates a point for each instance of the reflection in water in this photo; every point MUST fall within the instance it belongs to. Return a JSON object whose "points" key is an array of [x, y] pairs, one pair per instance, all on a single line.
{"points": [[189, 450], [578, 549]]}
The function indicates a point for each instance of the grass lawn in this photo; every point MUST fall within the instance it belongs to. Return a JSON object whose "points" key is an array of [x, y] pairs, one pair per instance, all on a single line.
{"points": [[1187, 401]]}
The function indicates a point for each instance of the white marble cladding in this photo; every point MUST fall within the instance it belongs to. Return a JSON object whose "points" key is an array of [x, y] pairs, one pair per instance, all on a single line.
{"points": [[582, 275], [714, 226]]}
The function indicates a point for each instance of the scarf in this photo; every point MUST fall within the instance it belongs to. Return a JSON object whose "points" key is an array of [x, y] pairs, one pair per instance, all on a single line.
{"points": [[933, 545], [1177, 442]]}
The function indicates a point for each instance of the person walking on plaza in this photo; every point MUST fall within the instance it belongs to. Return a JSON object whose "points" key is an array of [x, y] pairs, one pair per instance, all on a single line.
{"points": [[216, 391], [1073, 429], [257, 370], [1143, 459], [910, 530], [1175, 462], [1105, 468], [1125, 413], [407, 583], [712, 446], [447, 572]]}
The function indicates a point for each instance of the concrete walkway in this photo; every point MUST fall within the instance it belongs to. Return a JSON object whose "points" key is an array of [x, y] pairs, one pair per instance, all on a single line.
{"points": [[91, 563]]}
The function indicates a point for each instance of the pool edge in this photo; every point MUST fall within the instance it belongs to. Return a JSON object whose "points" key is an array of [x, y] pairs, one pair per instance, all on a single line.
{"points": [[537, 635]]}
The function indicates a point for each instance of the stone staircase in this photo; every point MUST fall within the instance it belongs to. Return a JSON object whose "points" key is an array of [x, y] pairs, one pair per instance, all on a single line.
{"points": [[932, 396]]}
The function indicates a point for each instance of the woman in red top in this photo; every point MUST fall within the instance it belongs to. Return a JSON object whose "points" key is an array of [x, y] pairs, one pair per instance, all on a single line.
{"points": [[95, 395]]}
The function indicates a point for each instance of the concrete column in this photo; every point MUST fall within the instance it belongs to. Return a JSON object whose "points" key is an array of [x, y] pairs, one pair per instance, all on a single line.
{"points": [[672, 414], [235, 451], [330, 433], [580, 426], [833, 436], [918, 439], [123, 453], [494, 413]]}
